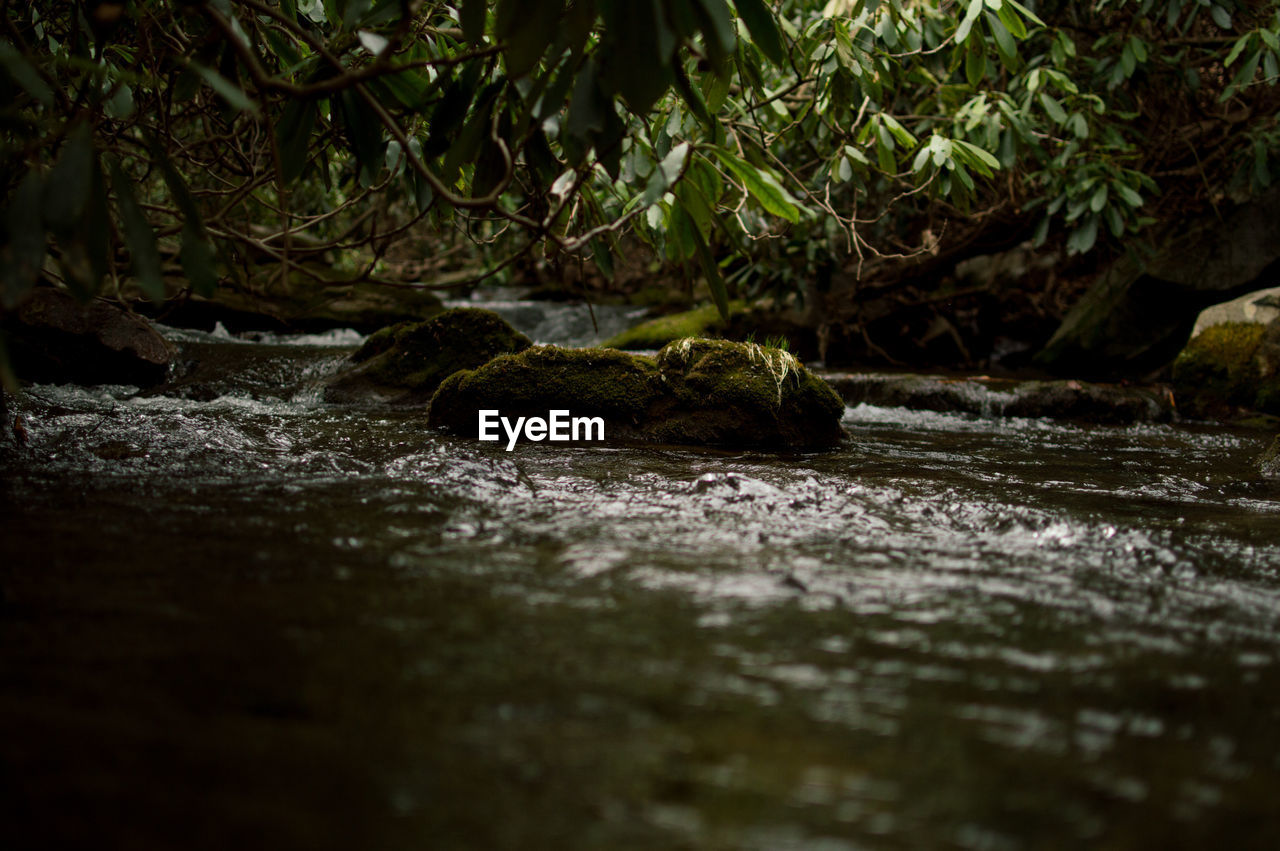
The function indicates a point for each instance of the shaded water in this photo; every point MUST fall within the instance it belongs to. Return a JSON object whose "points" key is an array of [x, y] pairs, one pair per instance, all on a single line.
{"points": [[238, 618]]}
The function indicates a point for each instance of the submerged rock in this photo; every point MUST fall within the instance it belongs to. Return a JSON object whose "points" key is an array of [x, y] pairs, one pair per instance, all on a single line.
{"points": [[701, 392], [1228, 367], [405, 363], [52, 337]]}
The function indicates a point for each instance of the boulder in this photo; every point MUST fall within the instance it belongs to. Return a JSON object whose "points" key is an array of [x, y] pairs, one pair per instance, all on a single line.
{"points": [[1140, 313], [742, 394], [700, 392], [1228, 367], [404, 364], [52, 337]]}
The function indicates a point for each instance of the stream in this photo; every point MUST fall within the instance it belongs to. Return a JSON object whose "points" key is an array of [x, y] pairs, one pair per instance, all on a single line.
{"points": [[234, 617]]}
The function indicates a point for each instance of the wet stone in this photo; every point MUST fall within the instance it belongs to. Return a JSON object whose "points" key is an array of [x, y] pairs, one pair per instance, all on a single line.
{"points": [[404, 364], [54, 338]]}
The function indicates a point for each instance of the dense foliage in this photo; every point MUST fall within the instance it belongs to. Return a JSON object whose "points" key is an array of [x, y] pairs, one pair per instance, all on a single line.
{"points": [[864, 134]]}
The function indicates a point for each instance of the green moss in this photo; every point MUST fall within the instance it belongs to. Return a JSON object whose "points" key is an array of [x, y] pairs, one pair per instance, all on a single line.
{"points": [[413, 358], [755, 394], [1218, 371], [589, 382], [656, 333], [694, 392]]}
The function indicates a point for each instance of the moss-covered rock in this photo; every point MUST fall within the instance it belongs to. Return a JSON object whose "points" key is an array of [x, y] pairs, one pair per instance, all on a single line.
{"points": [[619, 387], [743, 393], [746, 323], [656, 333], [701, 392], [1228, 367], [405, 363]]}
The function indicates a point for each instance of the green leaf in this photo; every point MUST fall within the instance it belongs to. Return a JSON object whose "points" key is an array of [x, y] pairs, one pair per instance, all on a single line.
{"points": [[1078, 125], [227, 90], [364, 133], [681, 234], [139, 236], [1099, 199], [450, 112], [1115, 221], [884, 157], [354, 11], [586, 109], [1237, 49], [1027, 13], [693, 99], [921, 161], [27, 244], [764, 29], [22, 73], [1244, 77], [696, 205], [473, 20], [1221, 16], [67, 188], [1004, 41], [1126, 193], [1042, 232], [983, 156], [1261, 169], [970, 18], [717, 27], [673, 163], [1083, 238], [602, 254], [1053, 108], [711, 269], [1011, 21], [665, 174], [762, 186], [975, 65], [904, 137], [293, 134], [197, 258], [537, 30], [639, 47]]}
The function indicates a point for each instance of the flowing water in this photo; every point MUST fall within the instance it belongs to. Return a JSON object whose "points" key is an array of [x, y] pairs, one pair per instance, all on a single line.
{"points": [[233, 617]]}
